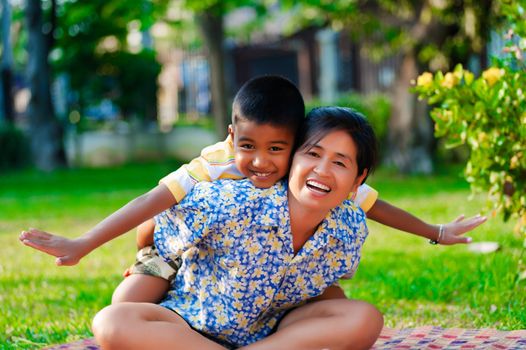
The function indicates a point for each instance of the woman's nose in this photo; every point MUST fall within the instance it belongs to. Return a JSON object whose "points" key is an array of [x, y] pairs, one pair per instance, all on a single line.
{"points": [[321, 168]]}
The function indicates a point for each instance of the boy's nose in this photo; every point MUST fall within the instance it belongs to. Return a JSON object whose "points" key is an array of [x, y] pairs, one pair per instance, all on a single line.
{"points": [[259, 162]]}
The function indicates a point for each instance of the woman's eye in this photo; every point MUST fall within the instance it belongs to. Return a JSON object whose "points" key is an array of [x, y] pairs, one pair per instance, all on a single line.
{"points": [[313, 154], [340, 164]]}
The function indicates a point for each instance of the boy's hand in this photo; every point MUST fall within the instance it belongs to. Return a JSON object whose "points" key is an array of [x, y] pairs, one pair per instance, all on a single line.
{"points": [[68, 251], [454, 230]]}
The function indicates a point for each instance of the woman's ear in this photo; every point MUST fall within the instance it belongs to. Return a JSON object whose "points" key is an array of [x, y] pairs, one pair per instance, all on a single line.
{"points": [[360, 179], [363, 176]]}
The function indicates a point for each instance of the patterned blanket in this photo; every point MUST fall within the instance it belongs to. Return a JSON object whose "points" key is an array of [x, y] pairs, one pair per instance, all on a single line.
{"points": [[426, 337], [429, 337]]}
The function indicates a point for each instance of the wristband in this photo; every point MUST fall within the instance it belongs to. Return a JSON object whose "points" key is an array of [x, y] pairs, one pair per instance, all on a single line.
{"points": [[440, 234]]}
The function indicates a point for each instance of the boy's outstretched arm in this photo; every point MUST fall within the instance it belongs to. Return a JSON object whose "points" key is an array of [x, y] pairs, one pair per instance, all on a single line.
{"points": [[70, 251], [397, 218]]}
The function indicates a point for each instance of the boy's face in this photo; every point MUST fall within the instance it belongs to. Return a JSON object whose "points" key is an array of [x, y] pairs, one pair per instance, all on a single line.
{"points": [[262, 151], [322, 176]]}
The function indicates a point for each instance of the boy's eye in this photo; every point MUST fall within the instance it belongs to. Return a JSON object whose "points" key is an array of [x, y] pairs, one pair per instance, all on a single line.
{"points": [[340, 164], [275, 149], [247, 146]]}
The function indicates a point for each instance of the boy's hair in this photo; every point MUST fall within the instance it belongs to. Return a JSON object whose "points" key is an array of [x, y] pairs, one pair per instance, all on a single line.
{"points": [[322, 120], [270, 99]]}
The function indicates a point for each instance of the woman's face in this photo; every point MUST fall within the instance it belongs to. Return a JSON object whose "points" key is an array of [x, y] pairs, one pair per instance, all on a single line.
{"points": [[322, 176]]}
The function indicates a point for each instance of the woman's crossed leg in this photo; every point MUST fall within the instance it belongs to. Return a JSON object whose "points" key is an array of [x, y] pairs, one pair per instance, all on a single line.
{"points": [[337, 324], [146, 326]]}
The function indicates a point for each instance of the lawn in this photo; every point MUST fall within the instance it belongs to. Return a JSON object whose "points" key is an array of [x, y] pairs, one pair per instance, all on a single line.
{"points": [[412, 282]]}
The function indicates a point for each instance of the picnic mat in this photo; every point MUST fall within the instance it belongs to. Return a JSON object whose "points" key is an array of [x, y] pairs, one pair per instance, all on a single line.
{"points": [[427, 337]]}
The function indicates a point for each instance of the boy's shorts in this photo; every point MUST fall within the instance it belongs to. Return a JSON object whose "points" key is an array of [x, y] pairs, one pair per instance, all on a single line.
{"points": [[149, 262]]}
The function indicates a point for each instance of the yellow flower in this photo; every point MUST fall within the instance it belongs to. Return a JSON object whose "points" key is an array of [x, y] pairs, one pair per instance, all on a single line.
{"points": [[275, 244], [300, 281], [468, 77], [482, 137], [242, 321], [492, 75], [515, 161], [425, 80], [260, 301], [334, 264], [317, 280], [450, 80]]}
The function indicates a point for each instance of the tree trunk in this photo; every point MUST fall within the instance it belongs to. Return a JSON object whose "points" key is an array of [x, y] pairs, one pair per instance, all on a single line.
{"points": [[410, 129], [7, 65], [211, 25], [45, 131]]}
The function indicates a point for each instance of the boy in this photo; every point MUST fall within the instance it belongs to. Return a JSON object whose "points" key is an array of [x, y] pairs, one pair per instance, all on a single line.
{"points": [[267, 114]]}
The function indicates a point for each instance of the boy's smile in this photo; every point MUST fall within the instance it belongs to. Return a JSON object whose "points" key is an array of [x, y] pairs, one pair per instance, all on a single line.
{"points": [[262, 151]]}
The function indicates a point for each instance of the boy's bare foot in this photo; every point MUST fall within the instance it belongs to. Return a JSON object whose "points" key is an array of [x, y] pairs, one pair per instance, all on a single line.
{"points": [[67, 251]]}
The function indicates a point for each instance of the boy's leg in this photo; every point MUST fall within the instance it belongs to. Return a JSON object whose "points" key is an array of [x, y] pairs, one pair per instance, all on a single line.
{"points": [[146, 326], [337, 324], [148, 279], [145, 233], [139, 288]]}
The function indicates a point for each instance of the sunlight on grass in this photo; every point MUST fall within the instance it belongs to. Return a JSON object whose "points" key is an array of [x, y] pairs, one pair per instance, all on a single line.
{"points": [[412, 282]]}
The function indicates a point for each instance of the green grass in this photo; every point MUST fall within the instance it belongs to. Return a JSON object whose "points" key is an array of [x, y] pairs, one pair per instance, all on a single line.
{"points": [[412, 282]]}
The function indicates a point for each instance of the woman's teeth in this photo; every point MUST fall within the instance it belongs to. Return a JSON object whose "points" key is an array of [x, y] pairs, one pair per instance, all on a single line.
{"points": [[318, 186]]}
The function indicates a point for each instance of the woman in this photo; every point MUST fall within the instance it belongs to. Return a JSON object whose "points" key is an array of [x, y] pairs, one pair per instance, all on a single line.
{"points": [[258, 264]]}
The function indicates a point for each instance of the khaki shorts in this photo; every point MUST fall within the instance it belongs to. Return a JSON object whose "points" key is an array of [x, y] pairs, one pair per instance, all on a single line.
{"points": [[149, 262]]}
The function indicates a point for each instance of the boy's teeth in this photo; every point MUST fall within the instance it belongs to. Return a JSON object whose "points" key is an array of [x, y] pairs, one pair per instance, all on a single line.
{"points": [[318, 185], [262, 174]]}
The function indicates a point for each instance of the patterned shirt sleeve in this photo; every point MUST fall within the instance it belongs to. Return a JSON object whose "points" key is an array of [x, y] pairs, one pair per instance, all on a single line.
{"points": [[215, 162], [186, 224]]}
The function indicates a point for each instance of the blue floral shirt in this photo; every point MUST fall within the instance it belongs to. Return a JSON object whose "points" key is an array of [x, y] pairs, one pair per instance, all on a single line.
{"points": [[239, 274]]}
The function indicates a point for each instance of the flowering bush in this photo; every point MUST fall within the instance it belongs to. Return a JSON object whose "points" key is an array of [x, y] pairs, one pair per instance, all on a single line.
{"points": [[488, 113]]}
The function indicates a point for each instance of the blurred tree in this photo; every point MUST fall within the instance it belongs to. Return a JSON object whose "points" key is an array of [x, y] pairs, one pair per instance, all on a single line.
{"points": [[95, 49], [488, 114], [210, 16], [44, 129], [429, 34], [210, 23], [7, 65]]}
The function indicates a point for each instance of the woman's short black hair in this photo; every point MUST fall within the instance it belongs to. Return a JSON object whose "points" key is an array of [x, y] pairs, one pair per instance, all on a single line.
{"points": [[322, 120]]}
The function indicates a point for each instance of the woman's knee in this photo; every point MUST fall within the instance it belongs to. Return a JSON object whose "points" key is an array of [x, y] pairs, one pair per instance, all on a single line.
{"points": [[373, 318], [108, 326], [364, 322]]}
